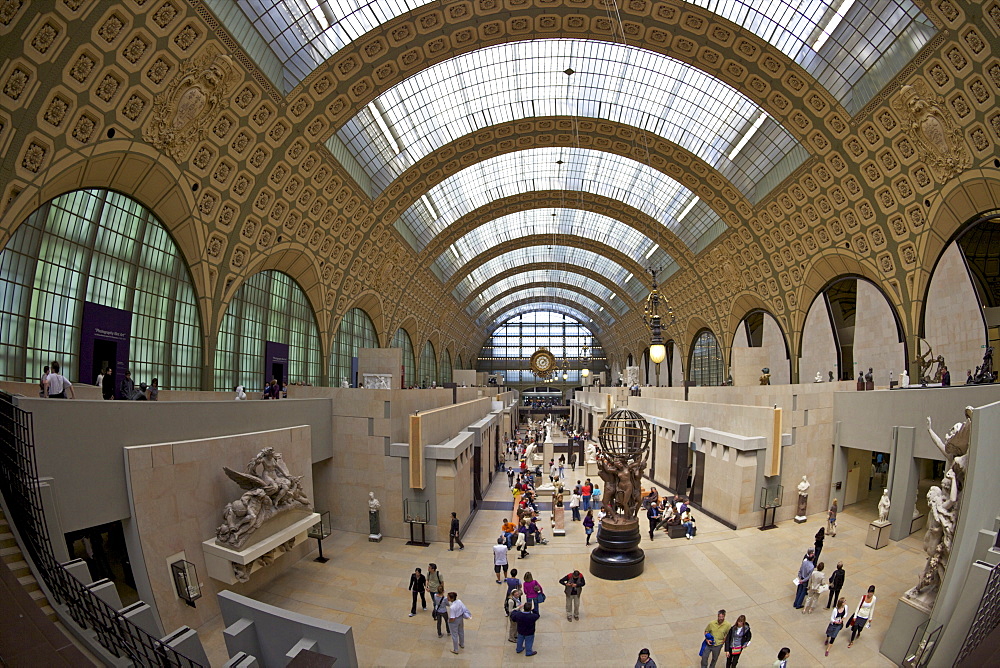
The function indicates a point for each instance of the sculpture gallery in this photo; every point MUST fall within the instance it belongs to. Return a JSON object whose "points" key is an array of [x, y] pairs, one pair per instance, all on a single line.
{"points": [[270, 490]]}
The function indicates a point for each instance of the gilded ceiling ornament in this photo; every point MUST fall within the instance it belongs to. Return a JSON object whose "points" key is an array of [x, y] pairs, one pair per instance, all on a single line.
{"points": [[939, 142], [182, 113]]}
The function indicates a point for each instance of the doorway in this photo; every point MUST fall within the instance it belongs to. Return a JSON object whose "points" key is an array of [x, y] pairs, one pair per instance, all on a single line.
{"points": [[103, 549], [105, 355], [278, 372]]}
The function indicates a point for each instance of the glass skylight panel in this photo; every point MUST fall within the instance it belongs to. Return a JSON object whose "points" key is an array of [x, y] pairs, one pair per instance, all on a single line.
{"points": [[563, 222], [837, 41], [628, 181], [544, 309], [619, 83], [541, 295], [305, 33], [545, 276], [570, 256]]}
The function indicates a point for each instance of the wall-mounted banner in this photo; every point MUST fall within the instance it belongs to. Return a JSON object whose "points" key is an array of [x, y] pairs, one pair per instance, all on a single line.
{"points": [[105, 334], [276, 362]]}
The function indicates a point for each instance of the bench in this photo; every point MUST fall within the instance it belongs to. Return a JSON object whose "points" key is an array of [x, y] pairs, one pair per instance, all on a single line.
{"points": [[678, 531]]}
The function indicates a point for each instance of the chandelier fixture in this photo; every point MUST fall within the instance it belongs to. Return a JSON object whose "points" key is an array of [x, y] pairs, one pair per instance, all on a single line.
{"points": [[653, 319]]}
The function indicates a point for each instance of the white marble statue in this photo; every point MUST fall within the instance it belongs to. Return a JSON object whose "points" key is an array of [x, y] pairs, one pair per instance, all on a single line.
{"points": [[344, 384], [591, 451], [883, 507], [270, 490], [943, 504], [819, 377], [803, 487], [373, 503], [904, 379]]}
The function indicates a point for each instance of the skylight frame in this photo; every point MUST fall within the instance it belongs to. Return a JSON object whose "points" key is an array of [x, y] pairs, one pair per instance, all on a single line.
{"points": [[558, 276]]}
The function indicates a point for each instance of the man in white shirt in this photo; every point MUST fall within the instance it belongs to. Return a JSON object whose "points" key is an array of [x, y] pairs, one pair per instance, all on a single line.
{"points": [[500, 559], [457, 614], [56, 385]]}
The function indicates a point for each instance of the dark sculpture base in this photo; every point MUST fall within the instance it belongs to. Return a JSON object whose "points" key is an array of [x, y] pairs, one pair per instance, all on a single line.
{"points": [[618, 556]]}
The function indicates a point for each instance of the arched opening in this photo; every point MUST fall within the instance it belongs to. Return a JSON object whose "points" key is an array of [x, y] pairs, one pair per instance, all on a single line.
{"points": [[458, 361], [705, 365], [961, 311], [866, 330], [759, 343], [356, 331], [94, 280], [268, 332], [401, 339], [428, 365]]}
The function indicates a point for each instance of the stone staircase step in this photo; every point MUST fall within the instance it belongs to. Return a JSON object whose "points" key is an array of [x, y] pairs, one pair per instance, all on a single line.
{"points": [[11, 554], [19, 568]]}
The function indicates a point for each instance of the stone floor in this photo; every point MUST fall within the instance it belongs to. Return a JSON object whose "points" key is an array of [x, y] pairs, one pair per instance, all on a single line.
{"points": [[666, 609]]}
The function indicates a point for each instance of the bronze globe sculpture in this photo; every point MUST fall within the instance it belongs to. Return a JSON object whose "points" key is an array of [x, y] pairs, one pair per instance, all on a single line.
{"points": [[623, 450]]}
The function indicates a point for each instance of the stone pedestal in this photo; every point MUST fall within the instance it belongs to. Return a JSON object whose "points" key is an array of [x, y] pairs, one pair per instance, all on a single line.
{"points": [[878, 534], [800, 508], [558, 521], [618, 556], [905, 620], [374, 533], [548, 450], [917, 523]]}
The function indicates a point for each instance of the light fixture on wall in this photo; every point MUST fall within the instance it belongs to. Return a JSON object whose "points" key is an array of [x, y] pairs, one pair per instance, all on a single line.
{"points": [[653, 320], [186, 581]]}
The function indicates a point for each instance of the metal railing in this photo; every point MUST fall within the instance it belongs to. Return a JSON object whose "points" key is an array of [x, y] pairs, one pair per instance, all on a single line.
{"points": [[987, 616], [19, 485]]}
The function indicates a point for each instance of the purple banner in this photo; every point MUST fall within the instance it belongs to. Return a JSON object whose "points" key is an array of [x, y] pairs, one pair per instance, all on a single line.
{"points": [[104, 340], [276, 362]]}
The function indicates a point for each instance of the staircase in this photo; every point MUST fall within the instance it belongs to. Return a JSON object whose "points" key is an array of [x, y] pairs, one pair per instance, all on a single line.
{"points": [[12, 557]]}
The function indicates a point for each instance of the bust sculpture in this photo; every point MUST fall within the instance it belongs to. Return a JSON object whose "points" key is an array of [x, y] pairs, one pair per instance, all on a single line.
{"points": [[819, 377], [830, 373], [374, 531], [803, 486], [868, 376], [765, 376], [861, 376], [883, 507], [800, 507]]}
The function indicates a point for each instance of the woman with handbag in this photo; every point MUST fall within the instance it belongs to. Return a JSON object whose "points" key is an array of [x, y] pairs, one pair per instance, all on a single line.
{"points": [[533, 592], [588, 524], [816, 585], [440, 610], [836, 624], [863, 617], [737, 640]]}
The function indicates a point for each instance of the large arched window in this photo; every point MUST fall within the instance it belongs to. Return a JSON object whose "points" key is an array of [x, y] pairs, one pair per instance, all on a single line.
{"points": [[428, 365], [509, 349], [458, 362], [92, 278], [401, 340], [356, 331], [444, 371], [268, 327], [706, 360]]}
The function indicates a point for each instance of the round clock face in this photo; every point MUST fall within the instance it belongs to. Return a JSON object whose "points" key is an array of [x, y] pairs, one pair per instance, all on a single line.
{"points": [[542, 361]]}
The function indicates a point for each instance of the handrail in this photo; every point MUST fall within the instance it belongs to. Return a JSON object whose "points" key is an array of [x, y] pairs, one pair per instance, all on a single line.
{"points": [[20, 489]]}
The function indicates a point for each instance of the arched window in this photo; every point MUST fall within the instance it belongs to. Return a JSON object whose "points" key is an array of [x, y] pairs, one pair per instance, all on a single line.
{"points": [[510, 347], [268, 327], [458, 362], [706, 360], [401, 340], [356, 331], [86, 270], [428, 365], [444, 371]]}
